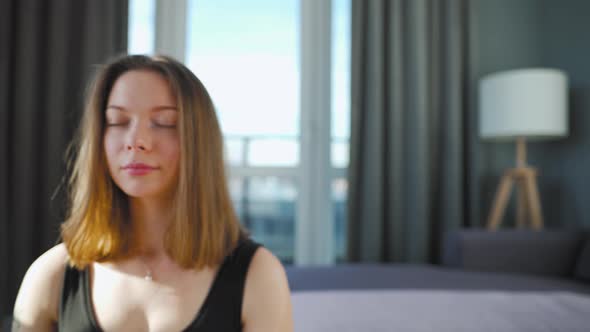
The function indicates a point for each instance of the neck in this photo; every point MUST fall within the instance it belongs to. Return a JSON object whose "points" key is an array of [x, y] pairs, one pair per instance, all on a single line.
{"points": [[150, 219]]}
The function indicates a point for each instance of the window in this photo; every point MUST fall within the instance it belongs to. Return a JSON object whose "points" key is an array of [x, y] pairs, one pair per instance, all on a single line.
{"points": [[141, 31], [340, 126], [249, 56]]}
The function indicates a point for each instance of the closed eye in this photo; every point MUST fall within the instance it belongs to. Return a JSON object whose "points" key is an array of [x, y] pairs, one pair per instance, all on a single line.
{"points": [[165, 119], [116, 121], [121, 124], [162, 125]]}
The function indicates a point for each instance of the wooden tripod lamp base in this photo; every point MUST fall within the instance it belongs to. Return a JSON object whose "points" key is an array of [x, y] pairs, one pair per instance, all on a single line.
{"points": [[528, 209]]}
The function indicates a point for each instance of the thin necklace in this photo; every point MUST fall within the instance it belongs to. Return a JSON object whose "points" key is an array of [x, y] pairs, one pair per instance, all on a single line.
{"points": [[148, 275], [148, 272]]}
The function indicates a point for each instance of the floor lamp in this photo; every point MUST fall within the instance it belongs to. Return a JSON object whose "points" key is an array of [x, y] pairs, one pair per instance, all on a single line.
{"points": [[520, 105]]}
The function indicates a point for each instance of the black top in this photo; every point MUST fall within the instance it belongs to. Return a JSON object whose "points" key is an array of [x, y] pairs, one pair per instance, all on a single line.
{"points": [[221, 309]]}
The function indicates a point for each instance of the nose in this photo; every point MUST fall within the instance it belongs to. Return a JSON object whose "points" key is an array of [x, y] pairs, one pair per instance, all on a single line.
{"points": [[139, 139]]}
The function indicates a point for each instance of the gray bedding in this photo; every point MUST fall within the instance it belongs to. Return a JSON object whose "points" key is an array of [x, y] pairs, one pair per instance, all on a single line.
{"points": [[440, 310], [414, 276], [490, 281]]}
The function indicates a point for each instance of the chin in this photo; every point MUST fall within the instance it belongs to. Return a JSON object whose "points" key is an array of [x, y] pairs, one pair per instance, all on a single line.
{"points": [[142, 190], [140, 193]]}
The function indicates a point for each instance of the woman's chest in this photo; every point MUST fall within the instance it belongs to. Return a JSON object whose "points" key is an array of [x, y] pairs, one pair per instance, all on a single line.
{"points": [[128, 303]]}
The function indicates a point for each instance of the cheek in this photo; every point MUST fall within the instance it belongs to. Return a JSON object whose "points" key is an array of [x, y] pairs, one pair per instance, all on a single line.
{"points": [[110, 146], [171, 152]]}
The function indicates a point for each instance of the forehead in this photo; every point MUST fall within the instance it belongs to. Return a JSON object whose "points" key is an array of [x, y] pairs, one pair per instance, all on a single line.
{"points": [[141, 89]]}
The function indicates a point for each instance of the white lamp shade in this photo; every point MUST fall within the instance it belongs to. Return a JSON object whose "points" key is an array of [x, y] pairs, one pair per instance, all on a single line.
{"points": [[529, 103]]}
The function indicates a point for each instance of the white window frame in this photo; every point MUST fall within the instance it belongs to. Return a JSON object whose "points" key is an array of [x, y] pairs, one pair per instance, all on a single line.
{"points": [[314, 240], [314, 220], [171, 28]]}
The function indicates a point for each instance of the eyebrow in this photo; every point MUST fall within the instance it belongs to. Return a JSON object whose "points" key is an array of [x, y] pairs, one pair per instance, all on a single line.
{"points": [[154, 109]]}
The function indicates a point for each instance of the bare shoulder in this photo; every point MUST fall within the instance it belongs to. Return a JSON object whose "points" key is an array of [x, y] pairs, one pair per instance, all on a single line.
{"points": [[265, 265], [267, 298], [36, 305]]}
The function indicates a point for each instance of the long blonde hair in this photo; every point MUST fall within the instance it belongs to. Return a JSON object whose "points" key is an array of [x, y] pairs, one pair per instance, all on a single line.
{"points": [[205, 227]]}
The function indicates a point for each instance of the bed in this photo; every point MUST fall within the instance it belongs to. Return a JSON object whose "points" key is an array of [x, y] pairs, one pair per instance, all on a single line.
{"points": [[502, 281]]}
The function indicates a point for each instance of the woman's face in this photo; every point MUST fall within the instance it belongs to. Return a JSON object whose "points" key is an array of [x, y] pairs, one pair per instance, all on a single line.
{"points": [[141, 140]]}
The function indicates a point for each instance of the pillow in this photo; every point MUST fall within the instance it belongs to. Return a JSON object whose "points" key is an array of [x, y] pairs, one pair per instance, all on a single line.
{"points": [[551, 253]]}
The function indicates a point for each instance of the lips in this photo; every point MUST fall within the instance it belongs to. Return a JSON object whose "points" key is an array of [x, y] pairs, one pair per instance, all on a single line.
{"points": [[138, 168]]}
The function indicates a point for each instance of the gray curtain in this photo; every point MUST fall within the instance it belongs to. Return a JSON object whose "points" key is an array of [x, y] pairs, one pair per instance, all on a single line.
{"points": [[47, 53], [408, 138]]}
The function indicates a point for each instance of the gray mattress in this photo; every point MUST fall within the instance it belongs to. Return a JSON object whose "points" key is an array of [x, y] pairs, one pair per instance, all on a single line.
{"points": [[415, 276], [440, 310], [416, 298]]}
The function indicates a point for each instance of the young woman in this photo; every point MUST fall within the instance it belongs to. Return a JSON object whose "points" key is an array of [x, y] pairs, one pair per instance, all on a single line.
{"points": [[151, 241]]}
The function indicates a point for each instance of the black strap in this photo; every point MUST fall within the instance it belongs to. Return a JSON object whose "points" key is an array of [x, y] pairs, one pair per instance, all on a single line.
{"points": [[74, 314], [224, 310]]}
